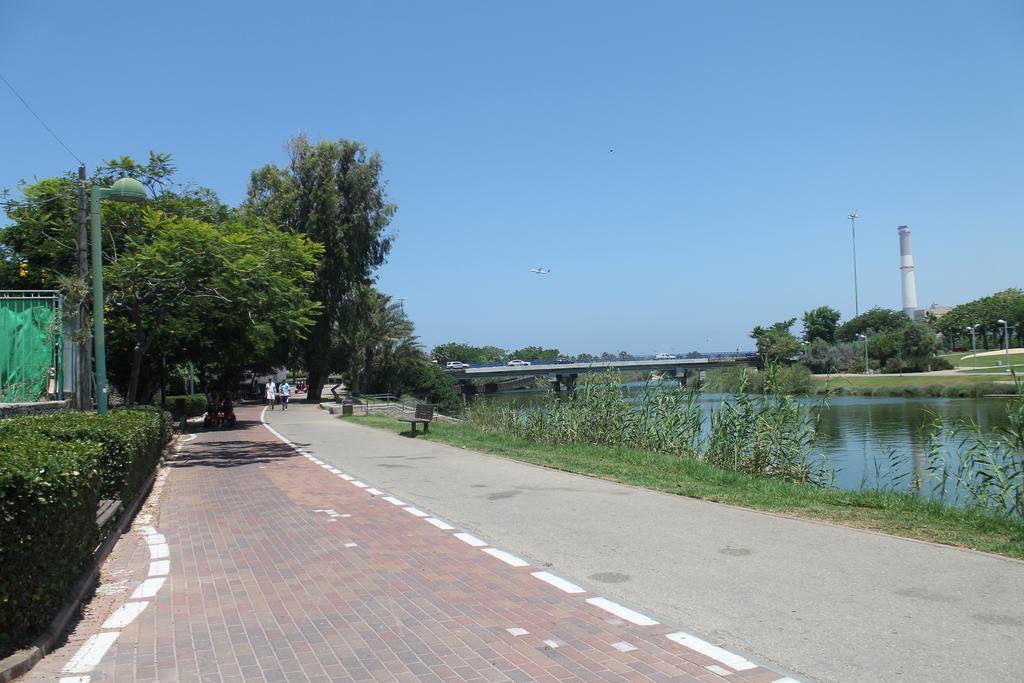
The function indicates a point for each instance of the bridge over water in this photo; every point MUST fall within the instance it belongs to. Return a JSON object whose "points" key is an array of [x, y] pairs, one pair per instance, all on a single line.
{"points": [[566, 374]]}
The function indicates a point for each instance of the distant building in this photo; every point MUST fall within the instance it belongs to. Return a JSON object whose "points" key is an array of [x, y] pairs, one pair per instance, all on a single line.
{"points": [[934, 311]]}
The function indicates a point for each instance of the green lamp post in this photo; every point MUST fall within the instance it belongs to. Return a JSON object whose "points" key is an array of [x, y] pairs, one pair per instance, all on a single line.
{"points": [[124, 190]]}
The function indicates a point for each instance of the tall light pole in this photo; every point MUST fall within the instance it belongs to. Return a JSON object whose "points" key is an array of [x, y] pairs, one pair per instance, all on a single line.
{"points": [[865, 338], [402, 300], [853, 231], [974, 345], [123, 190], [1006, 341]]}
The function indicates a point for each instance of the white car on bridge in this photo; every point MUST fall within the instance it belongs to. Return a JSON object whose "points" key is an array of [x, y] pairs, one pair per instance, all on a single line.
{"points": [[515, 362], [664, 356], [456, 365]]}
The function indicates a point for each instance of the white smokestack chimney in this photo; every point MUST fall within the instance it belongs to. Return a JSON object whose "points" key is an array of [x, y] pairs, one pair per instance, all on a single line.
{"points": [[907, 269]]}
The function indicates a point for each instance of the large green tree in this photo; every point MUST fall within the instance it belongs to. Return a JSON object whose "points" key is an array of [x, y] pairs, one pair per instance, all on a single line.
{"points": [[776, 342], [216, 295], [985, 313], [820, 323], [467, 353], [186, 278], [378, 346], [875, 321], [535, 352], [333, 192]]}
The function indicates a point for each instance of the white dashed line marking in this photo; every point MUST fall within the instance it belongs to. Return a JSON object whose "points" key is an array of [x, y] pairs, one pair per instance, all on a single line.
{"points": [[375, 492], [551, 643], [351, 545], [470, 539], [622, 612], [155, 539], [90, 654], [558, 582], [75, 679], [416, 512], [507, 558], [347, 477], [148, 588], [516, 631], [787, 679], [720, 670], [125, 614], [445, 526], [393, 500], [623, 646], [160, 568], [360, 484], [159, 551], [713, 651]]}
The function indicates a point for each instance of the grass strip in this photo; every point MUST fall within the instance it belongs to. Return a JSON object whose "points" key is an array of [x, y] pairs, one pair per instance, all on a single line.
{"points": [[897, 514]]}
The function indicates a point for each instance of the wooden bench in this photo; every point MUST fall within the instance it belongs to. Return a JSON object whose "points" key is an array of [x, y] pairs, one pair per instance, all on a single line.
{"points": [[424, 415], [105, 510]]}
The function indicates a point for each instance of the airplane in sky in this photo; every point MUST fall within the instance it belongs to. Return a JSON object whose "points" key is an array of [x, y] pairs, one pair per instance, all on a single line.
{"points": [[540, 271]]}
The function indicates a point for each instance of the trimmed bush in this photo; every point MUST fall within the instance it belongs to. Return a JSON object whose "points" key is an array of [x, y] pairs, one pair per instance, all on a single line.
{"points": [[195, 405], [131, 442], [48, 496], [54, 470]]}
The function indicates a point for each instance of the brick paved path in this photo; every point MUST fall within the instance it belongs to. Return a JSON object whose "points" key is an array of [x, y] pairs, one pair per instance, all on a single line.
{"points": [[251, 561]]}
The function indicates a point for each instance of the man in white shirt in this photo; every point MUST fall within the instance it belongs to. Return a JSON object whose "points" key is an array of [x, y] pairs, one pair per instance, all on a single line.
{"points": [[271, 392]]}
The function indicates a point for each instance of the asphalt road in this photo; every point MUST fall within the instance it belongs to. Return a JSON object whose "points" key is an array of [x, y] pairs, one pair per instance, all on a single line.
{"points": [[827, 603]]}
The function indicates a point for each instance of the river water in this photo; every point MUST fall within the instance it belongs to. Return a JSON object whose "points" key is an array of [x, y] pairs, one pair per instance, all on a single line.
{"points": [[869, 442]]}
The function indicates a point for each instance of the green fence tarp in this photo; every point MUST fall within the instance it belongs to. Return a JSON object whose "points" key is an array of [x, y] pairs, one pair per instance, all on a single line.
{"points": [[26, 349]]}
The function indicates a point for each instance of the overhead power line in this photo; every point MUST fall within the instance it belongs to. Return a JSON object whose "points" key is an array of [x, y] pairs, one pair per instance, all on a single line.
{"points": [[41, 122]]}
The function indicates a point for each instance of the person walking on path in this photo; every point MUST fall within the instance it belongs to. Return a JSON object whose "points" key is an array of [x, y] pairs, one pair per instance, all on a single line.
{"points": [[285, 391], [271, 392]]}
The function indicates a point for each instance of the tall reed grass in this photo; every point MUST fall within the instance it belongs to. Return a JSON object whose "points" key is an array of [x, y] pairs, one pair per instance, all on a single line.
{"points": [[767, 434], [963, 461]]}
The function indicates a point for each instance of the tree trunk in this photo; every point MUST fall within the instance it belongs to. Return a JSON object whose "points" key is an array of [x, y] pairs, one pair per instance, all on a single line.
{"points": [[315, 385]]}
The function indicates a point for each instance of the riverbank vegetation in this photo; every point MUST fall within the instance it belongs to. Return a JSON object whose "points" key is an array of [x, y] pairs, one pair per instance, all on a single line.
{"points": [[798, 380], [899, 514], [759, 452]]}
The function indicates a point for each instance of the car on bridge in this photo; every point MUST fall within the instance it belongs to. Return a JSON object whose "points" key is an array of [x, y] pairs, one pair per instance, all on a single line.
{"points": [[664, 356], [515, 362], [455, 365]]}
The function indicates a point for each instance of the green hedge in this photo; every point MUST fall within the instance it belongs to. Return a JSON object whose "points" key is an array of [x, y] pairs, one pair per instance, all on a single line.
{"points": [[131, 441], [48, 496], [195, 405], [54, 469]]}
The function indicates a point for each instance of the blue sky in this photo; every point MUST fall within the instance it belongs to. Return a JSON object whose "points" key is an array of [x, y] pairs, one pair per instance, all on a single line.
{"points": [[743, 135]]}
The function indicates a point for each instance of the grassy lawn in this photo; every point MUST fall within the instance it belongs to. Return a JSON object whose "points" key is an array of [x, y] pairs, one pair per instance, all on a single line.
{"points": [[995, 373], [964, 360], [900, 515], [909, 379]]}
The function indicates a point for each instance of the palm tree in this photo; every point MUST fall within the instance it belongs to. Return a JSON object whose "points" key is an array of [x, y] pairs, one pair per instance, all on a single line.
{"points": [[378, 346]]}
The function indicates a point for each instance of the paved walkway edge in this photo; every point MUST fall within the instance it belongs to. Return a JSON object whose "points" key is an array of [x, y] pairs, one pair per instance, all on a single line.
{"points": [[23, 660]]}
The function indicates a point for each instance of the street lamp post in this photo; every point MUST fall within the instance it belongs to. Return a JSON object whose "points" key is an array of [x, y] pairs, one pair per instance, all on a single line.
{"points": [[1006, 341], [853, 231], [974, 345], [124, 190], [865, 338]]}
